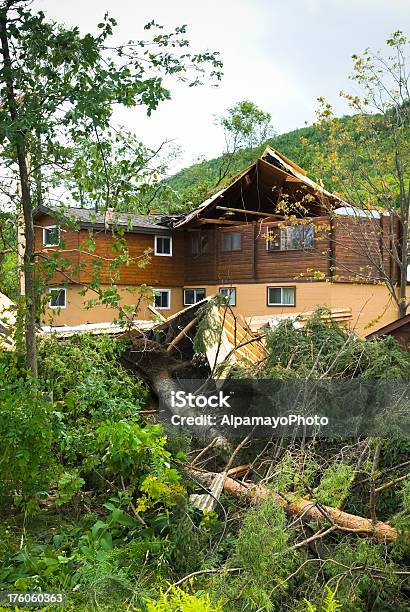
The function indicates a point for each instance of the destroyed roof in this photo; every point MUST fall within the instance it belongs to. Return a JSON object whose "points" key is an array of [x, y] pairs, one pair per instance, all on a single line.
{"points": [[232, 343], [263, 181], [87, 218], [271, 167]]}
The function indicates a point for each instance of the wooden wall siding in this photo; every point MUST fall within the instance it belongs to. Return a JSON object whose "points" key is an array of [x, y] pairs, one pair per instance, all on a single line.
{"points": [[160, 271], [293, 264], [202, 267], [69, 250], [253, 262], [233, 266], [359, 245]]}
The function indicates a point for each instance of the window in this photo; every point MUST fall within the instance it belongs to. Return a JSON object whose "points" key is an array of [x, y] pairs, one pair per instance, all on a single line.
{"points": [[51, 236], [281, 296], [163, 246], [58, 297], [162, 299], [231, 241], [199, 244], [291, 238], [230, 295], [192, 296]]}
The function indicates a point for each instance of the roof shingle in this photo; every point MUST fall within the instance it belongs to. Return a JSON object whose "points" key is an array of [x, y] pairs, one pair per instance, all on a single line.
{"points": [[89, 218]]}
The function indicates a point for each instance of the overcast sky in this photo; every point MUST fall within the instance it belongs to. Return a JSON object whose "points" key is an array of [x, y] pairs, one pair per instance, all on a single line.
{"points": [[281, 54]]}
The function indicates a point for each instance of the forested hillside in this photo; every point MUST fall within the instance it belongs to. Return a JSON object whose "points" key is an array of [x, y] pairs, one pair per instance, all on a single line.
{"points": [[197, 181]]}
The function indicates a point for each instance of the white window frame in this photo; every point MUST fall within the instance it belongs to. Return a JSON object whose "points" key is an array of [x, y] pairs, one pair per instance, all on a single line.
{"points": [[51, 227], [170, 246], [281, 287], [231, 289], [194, 289], [158, 290], [50, 291]]}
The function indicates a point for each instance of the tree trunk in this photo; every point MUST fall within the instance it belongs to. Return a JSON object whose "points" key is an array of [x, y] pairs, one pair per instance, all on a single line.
{"points": [[403, 270], [305, 508], [36, 171], [18, 139], [157, 366]]}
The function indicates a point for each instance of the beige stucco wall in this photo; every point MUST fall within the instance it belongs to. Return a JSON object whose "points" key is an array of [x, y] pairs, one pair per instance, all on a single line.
{"points": [[371, 305], [75, 313]]}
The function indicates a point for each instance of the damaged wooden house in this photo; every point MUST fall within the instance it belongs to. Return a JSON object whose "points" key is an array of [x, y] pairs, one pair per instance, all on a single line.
{"points": [[273, 243]]}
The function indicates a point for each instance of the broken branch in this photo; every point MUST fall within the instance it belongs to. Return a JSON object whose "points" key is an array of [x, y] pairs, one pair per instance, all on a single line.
{"points": [[339, 519]]}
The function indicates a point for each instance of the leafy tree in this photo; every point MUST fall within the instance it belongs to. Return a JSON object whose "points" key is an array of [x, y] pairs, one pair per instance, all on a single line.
{"points": [[59, 87], [369, 160], [8, 255], [245, 126], [27, 428], [115, 171]]}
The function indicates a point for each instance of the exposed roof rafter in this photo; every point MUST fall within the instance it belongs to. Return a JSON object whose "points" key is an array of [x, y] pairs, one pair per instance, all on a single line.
{"points": [[270, 171]]}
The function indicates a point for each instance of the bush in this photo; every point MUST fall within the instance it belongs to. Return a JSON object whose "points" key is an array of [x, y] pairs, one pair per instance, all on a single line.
{"points": [[27, 431], [90, 387], [181, 601]]}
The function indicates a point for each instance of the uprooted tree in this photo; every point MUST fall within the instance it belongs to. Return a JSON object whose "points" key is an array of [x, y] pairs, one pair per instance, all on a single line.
{"points": [[293, 519]]}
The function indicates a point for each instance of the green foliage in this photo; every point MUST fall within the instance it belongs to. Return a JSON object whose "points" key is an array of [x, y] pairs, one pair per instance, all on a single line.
{"points": [[115, 170], [334, 485], [401, 499], [188, 541], [117, 526], [330, 603], [247, 125], [90, 388], [137, 454], [27, 430], [365, 555], [8, 255], [406, 494], [369, 158], [78, 428], [178, 600], [68, 485], [261, 545], [322, 349], [209, 328]]}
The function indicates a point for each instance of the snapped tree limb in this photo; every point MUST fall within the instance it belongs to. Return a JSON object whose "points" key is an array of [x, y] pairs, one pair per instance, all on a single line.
{"points": [[343, 521]]}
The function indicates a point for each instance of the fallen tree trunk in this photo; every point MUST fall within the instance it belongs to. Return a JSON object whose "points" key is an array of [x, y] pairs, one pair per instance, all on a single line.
{"points": [[305, 508], [157, 365]]}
